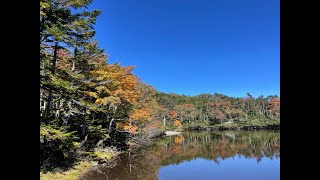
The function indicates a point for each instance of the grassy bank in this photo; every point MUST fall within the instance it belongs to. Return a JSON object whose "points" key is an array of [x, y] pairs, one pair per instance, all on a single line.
{"points": [[71, 174], [99, 155]]}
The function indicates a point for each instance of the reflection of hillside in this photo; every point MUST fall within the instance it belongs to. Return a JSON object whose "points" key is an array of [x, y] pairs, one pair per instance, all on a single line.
{"points": [[190, 145], [222, 145]]}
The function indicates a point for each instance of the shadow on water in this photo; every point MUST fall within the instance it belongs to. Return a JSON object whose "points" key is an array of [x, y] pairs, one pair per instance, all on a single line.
{"points": [[177, 154]]}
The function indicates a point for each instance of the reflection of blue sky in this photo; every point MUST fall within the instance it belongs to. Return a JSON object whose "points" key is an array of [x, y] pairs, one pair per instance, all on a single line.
{"points": [[233, 168]]}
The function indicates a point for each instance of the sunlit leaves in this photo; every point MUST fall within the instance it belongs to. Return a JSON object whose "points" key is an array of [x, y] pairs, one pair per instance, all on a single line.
{"points": [[119, 82], [93, 94], [43, 6], [140, 115], [126, 126], [177, 123], [178, 139], [98, 101]]}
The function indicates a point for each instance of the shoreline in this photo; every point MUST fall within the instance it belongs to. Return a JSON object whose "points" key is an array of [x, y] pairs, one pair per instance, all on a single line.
{"points": [[83, 166], [239, 128]]}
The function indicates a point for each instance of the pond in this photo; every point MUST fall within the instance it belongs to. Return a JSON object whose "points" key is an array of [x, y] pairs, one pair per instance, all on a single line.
{"points": [[223, 155]]}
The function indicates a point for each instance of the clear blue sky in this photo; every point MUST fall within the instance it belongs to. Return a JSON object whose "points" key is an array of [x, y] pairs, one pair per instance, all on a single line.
{"points": [[195, 46]]}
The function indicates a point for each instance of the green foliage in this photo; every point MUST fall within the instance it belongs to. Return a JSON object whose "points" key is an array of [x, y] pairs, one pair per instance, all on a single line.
{"points": [[96, 133], [51, 134], [58, 143], [72, 120], [60, 84]]}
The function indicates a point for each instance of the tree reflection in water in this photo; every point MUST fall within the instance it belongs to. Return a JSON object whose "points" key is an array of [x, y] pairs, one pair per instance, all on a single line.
{"points": [[215, 146]]}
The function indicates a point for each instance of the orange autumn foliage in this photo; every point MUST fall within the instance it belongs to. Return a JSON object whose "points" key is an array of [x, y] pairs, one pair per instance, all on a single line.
{"points": [[123, 126], [139, 115], [153, 125], [178, 140], [116, 81], [275, 104], [65, 61], [177, 123], [132, 129], [173, 113]]}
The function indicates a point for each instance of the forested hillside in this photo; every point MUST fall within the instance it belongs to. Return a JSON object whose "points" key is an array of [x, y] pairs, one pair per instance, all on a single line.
{"points": [[87, 103], [218, 109]]}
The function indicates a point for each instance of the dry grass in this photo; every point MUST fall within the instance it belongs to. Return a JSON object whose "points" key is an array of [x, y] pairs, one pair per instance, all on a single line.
{"points": [[104, 154], [75, 172], [70, 174]]}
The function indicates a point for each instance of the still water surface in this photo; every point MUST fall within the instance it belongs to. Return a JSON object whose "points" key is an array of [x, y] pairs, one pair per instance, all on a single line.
{"points": [[226, 155]]}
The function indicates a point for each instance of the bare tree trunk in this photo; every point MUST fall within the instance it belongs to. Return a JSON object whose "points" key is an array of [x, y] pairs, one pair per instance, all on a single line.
{"points": [[44, 105], [43, 66], [54, 62], [113, 117], [41, 98], [48, 108], [53, 68], [75, 58], [58, 109], [57, 113], [73, 66], [84, 141], [130, 167], [164, 120], [110, 125]]}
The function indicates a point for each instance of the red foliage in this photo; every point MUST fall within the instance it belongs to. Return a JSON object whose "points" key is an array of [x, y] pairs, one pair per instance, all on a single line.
{"points": [[274, 106], [173, 114]]}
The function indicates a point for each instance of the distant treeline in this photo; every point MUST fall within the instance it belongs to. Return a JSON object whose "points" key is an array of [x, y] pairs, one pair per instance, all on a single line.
{"points": [[217, 108]]}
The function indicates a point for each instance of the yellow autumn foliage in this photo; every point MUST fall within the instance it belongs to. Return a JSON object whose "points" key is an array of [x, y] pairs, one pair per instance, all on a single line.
{"points": [[119, 82], [139, 115], [178, 139], [98, 101], [92, 94], [127, 127], [177, 123]]}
